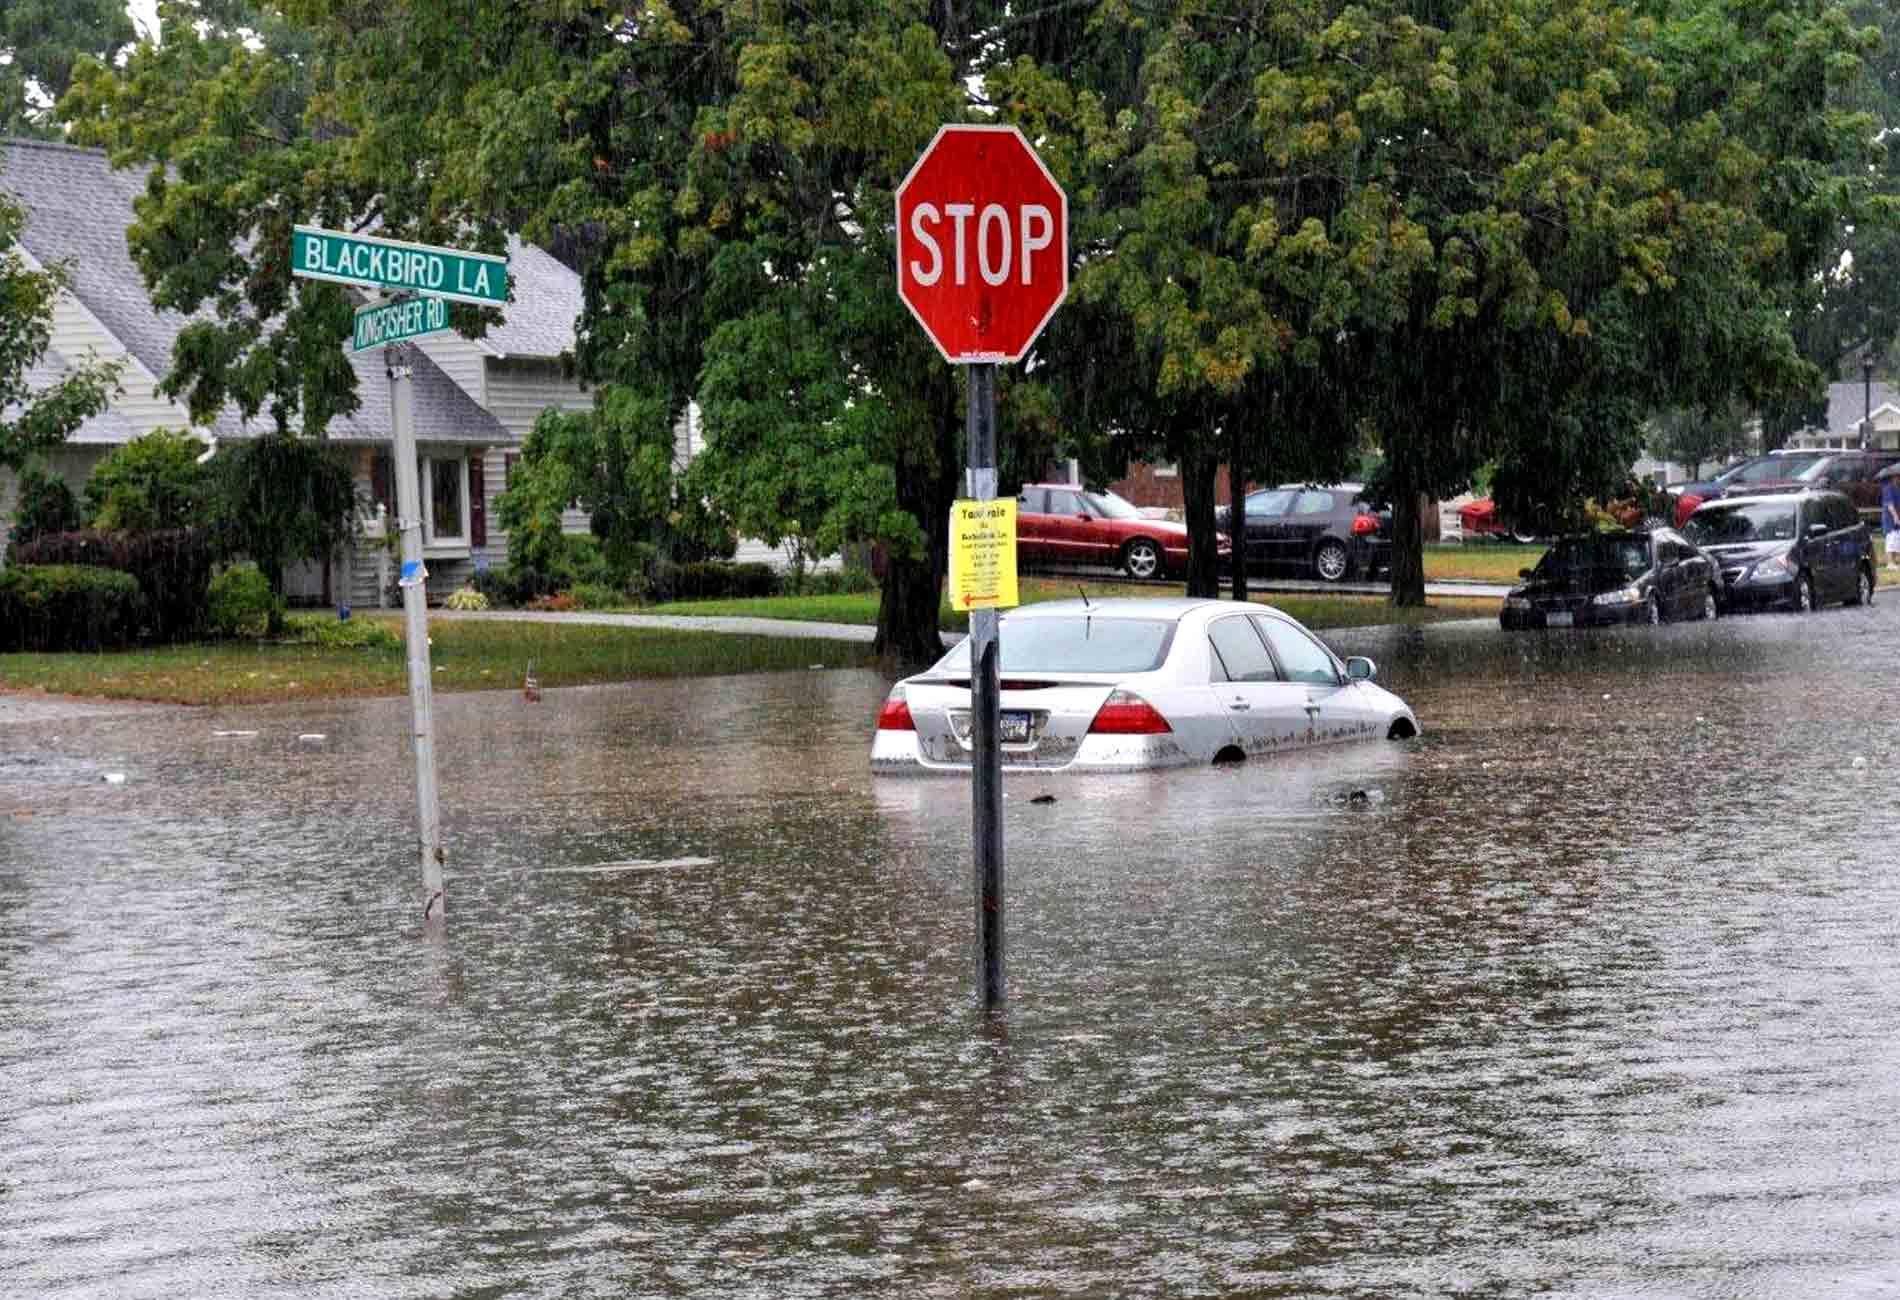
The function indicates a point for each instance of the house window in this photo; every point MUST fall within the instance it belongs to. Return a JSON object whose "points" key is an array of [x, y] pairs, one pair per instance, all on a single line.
{"points": [[444, 483], [449, 517]]}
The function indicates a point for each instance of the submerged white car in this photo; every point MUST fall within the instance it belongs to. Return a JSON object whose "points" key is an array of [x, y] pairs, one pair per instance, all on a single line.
{"points": [[1122, 685]]}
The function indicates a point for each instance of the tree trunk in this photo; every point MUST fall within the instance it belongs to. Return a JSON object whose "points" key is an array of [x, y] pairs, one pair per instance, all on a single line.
{"points": [[1408, 543], [908, 611], [1198, 468], [1237, 515]]}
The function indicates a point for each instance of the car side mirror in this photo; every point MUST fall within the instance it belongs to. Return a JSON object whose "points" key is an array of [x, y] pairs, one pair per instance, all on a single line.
{"points": [[1523, 573], [1361, 669], [1816, 528]]}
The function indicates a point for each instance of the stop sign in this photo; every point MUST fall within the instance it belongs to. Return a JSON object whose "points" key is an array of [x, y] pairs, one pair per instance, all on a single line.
{"points": [[982, 243]]}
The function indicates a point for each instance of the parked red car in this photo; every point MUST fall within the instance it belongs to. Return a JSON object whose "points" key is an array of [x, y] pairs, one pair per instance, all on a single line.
{"points": [[1480, 518], [1061, 524]]}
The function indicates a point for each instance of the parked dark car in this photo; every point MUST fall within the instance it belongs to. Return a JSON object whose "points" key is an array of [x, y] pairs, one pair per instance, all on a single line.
{"points": [[1743, 476], [1794, 550], [1329, 532], [1061, 524], [1632, 576]]}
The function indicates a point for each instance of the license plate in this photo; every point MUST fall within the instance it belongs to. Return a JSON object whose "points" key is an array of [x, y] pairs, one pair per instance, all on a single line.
{"points": [[1014, 727], [1558, 618]]}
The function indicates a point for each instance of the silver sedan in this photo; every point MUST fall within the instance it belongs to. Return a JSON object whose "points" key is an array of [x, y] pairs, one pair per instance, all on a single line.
{"points": [[1122, 685]]}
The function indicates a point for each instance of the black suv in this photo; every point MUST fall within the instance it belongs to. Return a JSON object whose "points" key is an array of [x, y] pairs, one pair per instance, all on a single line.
{"points": [[1329, 532], [1787, 549]]}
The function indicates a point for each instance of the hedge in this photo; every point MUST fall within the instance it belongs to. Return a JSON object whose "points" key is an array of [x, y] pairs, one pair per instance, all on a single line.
{"points": [[67, 607], [711, 581], [172, 567]]}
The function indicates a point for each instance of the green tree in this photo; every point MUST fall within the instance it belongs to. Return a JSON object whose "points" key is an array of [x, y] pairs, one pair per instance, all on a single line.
{"points": [[35, 419], [1694, 437], [1548, 217], [45, 504], [281, 498], [154, 481], [40, 42]]}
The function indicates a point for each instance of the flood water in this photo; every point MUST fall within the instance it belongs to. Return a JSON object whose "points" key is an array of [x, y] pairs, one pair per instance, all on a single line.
{"points": [[1593, 995]]}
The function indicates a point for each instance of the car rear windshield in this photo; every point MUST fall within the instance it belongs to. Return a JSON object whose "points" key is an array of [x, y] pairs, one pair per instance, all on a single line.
{"points": [[1110, 506], [1774, 469], [1756, 521], [1079, 644], [1625, 555]]}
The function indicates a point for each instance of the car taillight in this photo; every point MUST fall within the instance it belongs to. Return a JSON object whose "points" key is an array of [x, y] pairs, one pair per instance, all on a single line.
{"points": [[895, 715], [1126, 714], [1363, 524]]}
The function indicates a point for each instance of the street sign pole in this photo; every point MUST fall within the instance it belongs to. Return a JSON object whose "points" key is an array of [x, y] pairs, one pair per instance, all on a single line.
{"points": [[415, 617], [420, 277], [986, 702], [982, 263]]}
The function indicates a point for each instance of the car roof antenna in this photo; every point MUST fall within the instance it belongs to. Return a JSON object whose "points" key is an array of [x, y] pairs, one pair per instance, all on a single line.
{"points": [[1085, 596]]}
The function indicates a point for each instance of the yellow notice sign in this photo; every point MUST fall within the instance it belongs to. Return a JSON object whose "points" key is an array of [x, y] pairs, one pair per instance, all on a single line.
{"points": [[983, 554]]}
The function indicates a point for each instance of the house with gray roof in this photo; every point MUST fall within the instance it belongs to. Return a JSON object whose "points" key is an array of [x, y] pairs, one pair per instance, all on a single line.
{"points": [[475, 398], [1848, 404]]}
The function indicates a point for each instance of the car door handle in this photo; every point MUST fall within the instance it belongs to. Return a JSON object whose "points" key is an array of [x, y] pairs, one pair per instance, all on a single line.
{"points": [[1238, 704], [1312, 708]]}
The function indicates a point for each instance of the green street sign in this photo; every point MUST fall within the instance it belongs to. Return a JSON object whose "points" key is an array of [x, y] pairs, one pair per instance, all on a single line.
{"points": [[392, 322], [479, 278]]}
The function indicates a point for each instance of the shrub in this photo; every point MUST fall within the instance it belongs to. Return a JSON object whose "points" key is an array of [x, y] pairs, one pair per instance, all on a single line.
{"points": [[560, 603], [241, 601], [466, 598], [709, 581], [154, 481], [596, 595], [330, 631], [171, 565], [45, 505], [840, 582], [67, 607]]}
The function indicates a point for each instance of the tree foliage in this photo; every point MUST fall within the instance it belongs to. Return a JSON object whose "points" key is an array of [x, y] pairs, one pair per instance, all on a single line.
{"points": [[41, 42], [1463, 231], [35, 419]]}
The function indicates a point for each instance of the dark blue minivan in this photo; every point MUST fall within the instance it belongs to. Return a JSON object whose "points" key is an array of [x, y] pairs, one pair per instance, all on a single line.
{"points": [[1787, 550]]}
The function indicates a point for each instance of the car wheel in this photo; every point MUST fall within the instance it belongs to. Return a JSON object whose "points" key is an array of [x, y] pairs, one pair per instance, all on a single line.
{"points": [[1863, 588], [1141, 558], [1652, 610], [1804, 594], [1711, 607], [1330, 560], [1523, 536]]}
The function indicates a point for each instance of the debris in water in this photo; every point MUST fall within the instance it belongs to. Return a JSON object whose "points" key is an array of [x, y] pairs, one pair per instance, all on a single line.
{"points": [[234, 733], [1043, 798], [312, 737], [632, 864], [1859, 762], [115, 778]]}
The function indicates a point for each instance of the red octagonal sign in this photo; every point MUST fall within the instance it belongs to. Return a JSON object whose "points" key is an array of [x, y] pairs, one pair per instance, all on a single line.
{"points": [[982, 243]]}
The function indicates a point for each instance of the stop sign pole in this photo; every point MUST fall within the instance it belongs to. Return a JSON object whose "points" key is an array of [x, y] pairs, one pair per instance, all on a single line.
{"points": [[983, 263]]}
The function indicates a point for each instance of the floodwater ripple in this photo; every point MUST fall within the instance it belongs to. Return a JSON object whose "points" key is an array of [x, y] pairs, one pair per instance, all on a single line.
{"points": [[1594, 998]]}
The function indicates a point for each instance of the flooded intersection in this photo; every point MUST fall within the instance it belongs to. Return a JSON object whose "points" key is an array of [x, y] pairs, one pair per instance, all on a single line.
{"points": [[1591, 995]]}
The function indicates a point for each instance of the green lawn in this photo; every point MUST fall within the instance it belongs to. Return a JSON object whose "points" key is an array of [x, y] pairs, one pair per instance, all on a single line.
{"points": [[468, 655], [1483, 561]]}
